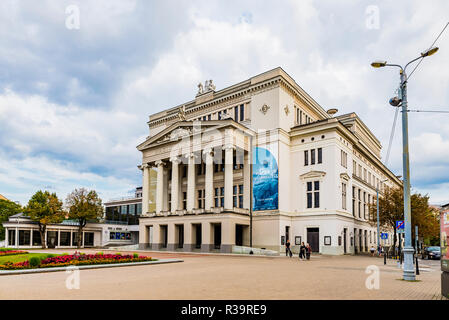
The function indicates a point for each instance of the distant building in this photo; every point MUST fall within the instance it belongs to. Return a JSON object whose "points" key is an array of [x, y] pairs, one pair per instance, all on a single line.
{"points": [[2, 197], [119, 226]]}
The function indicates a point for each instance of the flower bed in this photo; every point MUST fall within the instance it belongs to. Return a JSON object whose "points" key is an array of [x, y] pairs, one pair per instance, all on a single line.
{"points": [[75, 260], [11, 252]]}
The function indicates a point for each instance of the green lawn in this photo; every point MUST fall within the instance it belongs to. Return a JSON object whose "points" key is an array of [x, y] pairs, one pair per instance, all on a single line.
{"points": [[24, 257]]}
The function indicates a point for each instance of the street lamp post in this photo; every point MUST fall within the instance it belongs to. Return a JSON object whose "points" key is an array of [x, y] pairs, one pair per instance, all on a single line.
{"points": [[409, 272], [378, 227]]}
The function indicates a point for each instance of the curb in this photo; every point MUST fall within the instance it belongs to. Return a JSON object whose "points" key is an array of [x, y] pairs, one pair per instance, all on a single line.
{"points": [[97, 266]]}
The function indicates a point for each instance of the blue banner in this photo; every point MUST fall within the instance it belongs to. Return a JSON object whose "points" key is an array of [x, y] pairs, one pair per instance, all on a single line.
{"points": [[265, 178]]}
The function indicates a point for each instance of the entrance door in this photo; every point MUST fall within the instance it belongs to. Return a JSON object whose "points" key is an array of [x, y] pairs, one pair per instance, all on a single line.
{"points": [[238, 235], [164, 236], [345, 231], [287, 233], [217, 236], [313, 238]]}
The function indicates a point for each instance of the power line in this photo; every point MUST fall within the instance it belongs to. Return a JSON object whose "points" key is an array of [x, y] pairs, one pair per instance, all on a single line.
{"points": [[433, 111], [391, 136], [429, 48]]}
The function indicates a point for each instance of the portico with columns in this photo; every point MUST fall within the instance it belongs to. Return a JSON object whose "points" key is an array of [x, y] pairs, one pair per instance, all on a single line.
{"points": [[202, 187]]}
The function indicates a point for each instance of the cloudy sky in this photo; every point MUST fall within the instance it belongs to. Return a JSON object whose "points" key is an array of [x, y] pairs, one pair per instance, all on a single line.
{"points": [[75, 99]]}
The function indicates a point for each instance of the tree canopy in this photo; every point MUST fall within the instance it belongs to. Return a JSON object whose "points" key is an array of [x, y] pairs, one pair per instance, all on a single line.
{"points": [[7, 209], [391, 209], [83, 206], [44, 208]]}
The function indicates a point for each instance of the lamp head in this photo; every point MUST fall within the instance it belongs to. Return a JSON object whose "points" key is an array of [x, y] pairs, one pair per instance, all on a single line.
{"points": [[395, 101], [429, 52], [378, 64]]}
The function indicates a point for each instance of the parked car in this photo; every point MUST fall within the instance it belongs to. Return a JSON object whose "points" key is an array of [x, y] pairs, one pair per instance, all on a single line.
{"points": [[432, 253]]}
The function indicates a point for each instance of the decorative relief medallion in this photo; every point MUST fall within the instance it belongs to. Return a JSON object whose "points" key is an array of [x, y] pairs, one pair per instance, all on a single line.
{"points": [[287, 110], [264, 109]]}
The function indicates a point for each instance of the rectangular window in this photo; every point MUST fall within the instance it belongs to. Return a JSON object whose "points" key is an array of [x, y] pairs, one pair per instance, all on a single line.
{"points": [[343, 196], [313, 194], [344, 159], [309, 194], [317, 194], [209, 117], [219, 115], [300, 116], [65, 239], [184, 200], [320, 155], [360, 204], [242, 112], [306, 158], [353, 201], [236, 114], [24, 237], [201, 194], [312, 156], [354, 167]]}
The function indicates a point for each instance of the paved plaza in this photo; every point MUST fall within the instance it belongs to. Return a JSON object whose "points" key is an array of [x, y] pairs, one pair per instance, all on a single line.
{"points": [[203, 276]]}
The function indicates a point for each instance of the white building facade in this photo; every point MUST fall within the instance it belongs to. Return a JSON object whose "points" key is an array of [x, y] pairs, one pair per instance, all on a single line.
{"points": [[257, 164]]}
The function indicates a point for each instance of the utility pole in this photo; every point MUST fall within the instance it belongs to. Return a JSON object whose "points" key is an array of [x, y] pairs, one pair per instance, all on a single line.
{"points": [[409, 272]]}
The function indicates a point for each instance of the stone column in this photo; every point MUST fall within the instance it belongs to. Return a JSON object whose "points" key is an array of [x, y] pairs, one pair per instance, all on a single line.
{"points": [[160, 186], [191, 182], [188, 241], [206, 243], [227, 236], [59, 238], [17, 237], [6, 237], [31, 237], [228, 180], [247, 180], [171, 245], [175, 184], [209, 179], [156, 237], [145, 188]]}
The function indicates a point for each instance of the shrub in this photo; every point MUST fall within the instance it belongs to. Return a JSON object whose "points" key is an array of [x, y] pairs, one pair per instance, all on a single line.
{"points": [[100, 253], [135, 255], [35, 261], [118, 254]]}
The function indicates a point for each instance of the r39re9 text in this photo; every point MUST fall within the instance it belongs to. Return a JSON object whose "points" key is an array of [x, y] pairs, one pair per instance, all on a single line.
{"points": [[236, 309]]}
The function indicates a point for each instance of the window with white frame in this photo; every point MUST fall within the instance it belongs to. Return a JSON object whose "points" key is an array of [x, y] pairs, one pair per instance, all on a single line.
{"points": [[219, 197], [343, 196], [313, 194], [201, 196], [238, 196], [344, 159]]}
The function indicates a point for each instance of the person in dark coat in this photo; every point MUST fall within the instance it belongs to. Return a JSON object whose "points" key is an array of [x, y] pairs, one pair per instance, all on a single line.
{"points": [[288, 251], [302, 251]]}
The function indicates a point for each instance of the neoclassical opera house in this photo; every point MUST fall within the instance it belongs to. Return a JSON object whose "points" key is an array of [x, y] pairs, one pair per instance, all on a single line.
{"points": [[257, 164]]}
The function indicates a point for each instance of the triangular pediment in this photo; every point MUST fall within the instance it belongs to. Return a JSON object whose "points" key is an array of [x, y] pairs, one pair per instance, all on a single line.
{"points": [[313, 174], [182, 129], [345, 176]]}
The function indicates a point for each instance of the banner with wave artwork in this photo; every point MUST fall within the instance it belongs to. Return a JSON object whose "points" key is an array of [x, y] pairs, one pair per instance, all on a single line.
{"points": [[265, 177]]}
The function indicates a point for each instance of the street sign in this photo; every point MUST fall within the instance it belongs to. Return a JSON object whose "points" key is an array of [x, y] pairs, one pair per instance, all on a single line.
{"points": [[384, 236], [400, 225], [400, 231]]}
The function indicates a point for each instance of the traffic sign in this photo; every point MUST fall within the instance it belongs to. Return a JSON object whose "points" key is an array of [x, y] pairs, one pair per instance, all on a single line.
{"points": [[384, 236], [399, 224]]}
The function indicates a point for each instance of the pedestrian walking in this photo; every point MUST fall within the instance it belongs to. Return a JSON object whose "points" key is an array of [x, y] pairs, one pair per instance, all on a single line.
{"points": [[302, 251], [372, 251], [308, 251], [288, 251]]}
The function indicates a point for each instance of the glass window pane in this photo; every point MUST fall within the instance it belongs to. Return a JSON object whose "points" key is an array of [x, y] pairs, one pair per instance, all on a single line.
{"points": [[309, 186]]}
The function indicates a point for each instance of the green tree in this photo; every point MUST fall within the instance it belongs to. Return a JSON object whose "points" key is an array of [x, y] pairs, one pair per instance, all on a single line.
{"points": [[45, 208], [84, 206], [7, 209], [391, 209]]}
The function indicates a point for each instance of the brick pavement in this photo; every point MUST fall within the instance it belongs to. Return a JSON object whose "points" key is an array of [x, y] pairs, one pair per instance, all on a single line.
{"points": [[203, 276]]}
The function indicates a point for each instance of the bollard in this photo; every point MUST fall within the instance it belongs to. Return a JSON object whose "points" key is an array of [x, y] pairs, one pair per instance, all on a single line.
{"points": [[417, 268]]}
